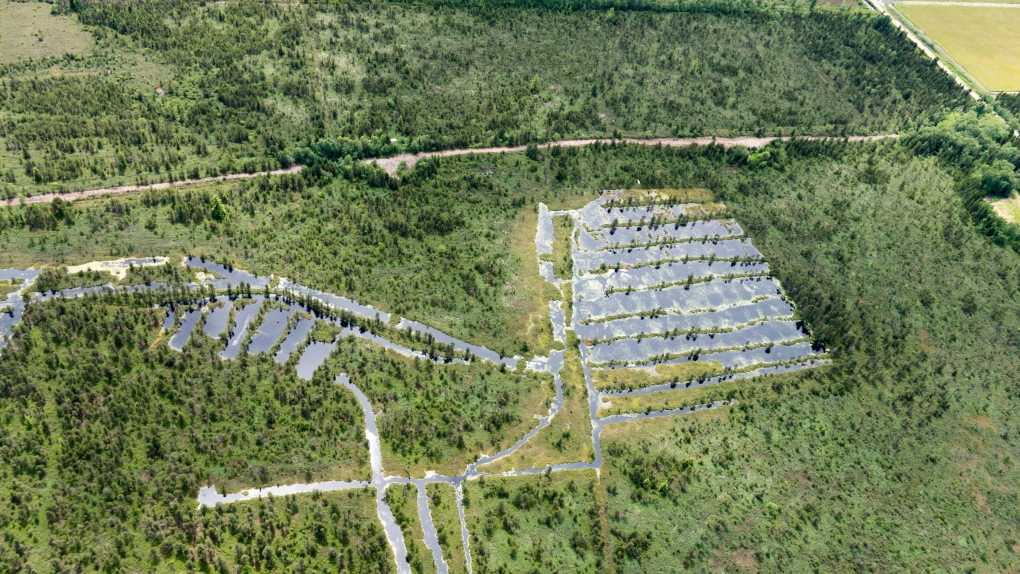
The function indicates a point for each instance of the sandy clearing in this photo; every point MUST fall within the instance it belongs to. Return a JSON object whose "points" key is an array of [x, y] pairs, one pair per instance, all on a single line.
{"points": [[117, 267], [1008, 209], [48, 197], [390, 164]]}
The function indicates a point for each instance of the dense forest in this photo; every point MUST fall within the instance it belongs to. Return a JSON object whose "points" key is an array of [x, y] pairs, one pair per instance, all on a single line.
{"points": [[900, 456], [880, 245], [119, 432], [246, 85]]}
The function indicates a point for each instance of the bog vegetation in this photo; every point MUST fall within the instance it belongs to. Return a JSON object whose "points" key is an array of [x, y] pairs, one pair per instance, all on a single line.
{"points": [[246, 86]]}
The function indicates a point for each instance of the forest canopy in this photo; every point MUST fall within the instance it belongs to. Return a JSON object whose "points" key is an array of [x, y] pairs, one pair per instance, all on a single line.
{"points": [[247, 84]]}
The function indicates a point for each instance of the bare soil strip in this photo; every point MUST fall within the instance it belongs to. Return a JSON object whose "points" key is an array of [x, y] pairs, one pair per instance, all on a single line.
{"points": [[71, 196], [390, 164]]}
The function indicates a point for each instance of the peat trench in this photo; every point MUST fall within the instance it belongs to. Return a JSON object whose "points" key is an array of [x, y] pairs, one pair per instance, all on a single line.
{"points": [[314, 355]]}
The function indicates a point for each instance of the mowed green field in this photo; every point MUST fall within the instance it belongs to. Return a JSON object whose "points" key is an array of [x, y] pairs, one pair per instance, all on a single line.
{"points": [[983, 39], [28, 30]]}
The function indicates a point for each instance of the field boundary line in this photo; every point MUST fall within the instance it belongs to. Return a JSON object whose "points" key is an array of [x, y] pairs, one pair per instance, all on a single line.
{"points": [[944, 56], [957, 4], [895, 16]]}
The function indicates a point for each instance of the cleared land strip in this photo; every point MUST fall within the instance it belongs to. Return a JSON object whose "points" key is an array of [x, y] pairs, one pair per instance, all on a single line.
{"points": [[71, 196], [390, 164]]}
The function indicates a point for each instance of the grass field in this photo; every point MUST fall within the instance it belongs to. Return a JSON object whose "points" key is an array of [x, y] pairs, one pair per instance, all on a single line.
{"points": [[28, 30], [984, 40], [1009, 208]]}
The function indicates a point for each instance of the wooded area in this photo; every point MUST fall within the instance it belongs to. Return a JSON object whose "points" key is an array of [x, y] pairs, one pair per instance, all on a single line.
{"points": [[248, 85], [898, 456]]}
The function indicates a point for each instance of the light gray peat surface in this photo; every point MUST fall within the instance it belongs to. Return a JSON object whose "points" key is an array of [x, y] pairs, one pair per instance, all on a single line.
{"points": [[12, 307], [720, 249], [242, 321], [650, 291]]}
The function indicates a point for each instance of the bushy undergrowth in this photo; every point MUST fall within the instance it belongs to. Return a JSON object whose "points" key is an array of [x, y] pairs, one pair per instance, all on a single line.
{"points": [[533, 523], [901, 453], [437, 416]]}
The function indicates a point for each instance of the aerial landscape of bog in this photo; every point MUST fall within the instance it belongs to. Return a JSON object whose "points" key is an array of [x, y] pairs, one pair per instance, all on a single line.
{"points": [[489, 287]]}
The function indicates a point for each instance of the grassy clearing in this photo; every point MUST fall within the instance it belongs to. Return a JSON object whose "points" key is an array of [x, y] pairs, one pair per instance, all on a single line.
{"points": [[672, 399], [403, 501], [1008, 208], [528, 294], [443, 505], [538, 523], [568, 436], [28, 30], [563, 262], [639, 378], [984, 40], [6, 288]]}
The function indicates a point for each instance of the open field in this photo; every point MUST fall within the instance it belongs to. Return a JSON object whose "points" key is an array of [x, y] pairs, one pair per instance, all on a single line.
{"points": [[984, 40], [28, 30], [1008, 208]]}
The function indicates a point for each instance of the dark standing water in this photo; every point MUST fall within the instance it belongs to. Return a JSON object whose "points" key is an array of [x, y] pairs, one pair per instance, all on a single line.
{"points": [[216, 322], [241, 322], [314, 356], [298, 334], [270, 330], [188, 323]]}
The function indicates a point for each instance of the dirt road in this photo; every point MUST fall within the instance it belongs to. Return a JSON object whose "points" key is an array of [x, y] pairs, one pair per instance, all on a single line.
{"points": [[71, 196], [390, 163]]}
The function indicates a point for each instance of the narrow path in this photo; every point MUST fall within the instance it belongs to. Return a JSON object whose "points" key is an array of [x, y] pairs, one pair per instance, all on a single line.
{"points": [[390, 164], [48, 197]]}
